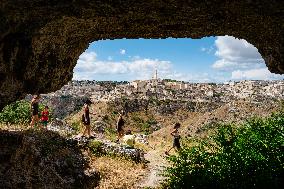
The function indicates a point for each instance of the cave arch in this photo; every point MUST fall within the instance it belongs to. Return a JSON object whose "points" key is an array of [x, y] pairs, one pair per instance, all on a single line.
{"points": [[40, 41]]}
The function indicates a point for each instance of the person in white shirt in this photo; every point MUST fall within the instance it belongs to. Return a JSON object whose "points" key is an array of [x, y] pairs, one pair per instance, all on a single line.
{"points": [[129, 139]]}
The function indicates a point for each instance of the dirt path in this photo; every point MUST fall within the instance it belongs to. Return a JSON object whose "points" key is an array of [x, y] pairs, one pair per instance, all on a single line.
{"points": [[156, 163]]}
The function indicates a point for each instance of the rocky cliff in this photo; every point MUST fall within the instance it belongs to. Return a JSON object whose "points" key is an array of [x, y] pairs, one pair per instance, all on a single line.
{"points": [[163, 107], [42, 160], [40, 41]]}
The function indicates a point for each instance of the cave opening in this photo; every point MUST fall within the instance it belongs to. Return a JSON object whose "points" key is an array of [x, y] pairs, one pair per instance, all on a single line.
{"points": [[210, 59], [41, 41]]}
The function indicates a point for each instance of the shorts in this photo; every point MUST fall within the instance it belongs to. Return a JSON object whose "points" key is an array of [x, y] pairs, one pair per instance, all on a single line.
{"points": [[119, 129], [34, 113], [87, 123], [44, 123], [176, 143]]}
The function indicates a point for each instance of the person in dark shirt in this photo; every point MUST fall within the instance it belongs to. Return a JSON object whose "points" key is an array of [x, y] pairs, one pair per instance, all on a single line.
{"points": [[176, 138], [119, 126], [34, 111], [86, 119]]}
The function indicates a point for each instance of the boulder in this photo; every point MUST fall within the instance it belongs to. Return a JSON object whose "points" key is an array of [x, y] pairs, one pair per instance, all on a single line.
{"points": [[99, 126]]}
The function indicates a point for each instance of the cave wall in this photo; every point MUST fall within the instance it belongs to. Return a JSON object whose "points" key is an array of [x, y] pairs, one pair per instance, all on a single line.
{"points": [[40, 40]]}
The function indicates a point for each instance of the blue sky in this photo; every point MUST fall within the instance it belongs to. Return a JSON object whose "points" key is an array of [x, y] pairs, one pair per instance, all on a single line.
{"points": [[211, 59]]}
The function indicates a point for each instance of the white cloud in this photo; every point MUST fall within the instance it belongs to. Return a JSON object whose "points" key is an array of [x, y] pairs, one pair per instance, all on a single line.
{"points": [[226, 65], [89, 68], [241, 59], [122, 51], [255, 74], [136, 57], [192, 77], [88, 57], [207, 50], [236, 54]]}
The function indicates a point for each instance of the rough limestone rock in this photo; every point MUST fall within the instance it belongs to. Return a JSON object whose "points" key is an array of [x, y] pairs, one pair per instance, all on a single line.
{"points": [[101, 146], [43, 160], [40, 40], [100, 126]]}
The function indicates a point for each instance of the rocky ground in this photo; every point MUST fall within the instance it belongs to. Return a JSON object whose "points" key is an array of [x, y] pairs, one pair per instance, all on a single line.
{"points": [[101, 162]]}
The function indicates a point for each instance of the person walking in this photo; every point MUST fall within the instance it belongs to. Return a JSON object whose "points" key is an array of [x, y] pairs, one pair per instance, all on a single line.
{"points": [[119, 126], [86, 119], [34, 111], [176, 139], [44, 117]]}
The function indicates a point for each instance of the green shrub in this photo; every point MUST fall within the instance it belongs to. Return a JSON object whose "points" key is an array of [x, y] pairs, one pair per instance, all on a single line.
{"points": [[18, 112], [249, 156], [151, 121], [96, 147], [76, 126], [137, 119], [110, 133], [146, 128], [15, 113]]}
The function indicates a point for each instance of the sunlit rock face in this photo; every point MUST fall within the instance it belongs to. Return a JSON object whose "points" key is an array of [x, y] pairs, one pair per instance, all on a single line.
{"points": [[40, 41]]}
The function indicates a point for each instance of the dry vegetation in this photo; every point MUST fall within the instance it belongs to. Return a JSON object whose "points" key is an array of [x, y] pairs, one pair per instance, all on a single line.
{"points": [[13, 127], [118, 173]]}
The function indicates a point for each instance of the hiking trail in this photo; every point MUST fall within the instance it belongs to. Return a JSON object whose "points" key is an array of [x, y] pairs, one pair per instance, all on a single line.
{"points": [[155, 166]]}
